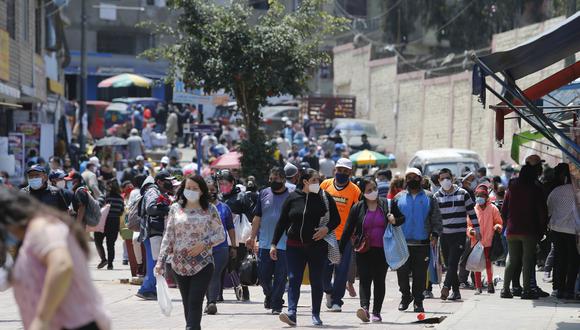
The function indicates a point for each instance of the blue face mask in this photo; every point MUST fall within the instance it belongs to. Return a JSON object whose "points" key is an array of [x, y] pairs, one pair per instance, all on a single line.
{"points": [[69, 185], [480, 200], [35, 183], [12, 241], [341, 178]]}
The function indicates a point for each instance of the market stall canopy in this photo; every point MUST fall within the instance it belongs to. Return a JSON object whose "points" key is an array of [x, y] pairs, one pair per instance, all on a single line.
{"points": [[542, 51], [367, 157], [126, 80], [112, 141], [231, 160]]}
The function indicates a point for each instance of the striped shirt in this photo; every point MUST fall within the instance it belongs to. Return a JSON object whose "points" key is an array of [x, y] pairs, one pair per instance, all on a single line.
{"points": [[455, 207], [117, 206]]}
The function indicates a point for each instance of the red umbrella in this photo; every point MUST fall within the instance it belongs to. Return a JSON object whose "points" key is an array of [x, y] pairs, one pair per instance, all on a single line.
{"points": [[227, 161]]}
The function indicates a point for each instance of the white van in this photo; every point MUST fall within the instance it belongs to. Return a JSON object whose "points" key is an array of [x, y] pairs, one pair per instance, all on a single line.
{"points": [[457, 160]]}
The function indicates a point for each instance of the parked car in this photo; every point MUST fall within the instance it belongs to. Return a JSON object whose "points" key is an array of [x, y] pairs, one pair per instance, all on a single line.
{"points": [[351, 131], [96, 118], [457, 160], [272, 117]]}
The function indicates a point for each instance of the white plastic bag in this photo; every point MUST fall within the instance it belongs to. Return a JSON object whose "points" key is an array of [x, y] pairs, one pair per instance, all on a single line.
{"points": [[163, 297], [476, 259], [243, 228]]}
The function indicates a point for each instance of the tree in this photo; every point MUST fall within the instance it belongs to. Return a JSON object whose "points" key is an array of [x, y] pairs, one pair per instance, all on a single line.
{"points": [[251, 56]]}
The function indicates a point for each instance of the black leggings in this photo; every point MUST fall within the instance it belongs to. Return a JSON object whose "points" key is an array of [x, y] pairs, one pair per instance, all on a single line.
{"points": [[111, 233], [193, 289], [372, 268], [565, 262]]}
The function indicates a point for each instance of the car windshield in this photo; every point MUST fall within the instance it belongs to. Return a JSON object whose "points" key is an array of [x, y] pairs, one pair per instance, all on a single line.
{"points": [[456, 168], [355, 128]]}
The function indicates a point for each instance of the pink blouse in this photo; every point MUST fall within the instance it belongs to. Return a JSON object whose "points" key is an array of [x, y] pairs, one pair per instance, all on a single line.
{"points": [[81, 305]]}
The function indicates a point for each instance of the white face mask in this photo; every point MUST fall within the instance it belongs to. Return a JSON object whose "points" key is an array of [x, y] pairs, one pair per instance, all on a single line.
{"points": [[314, 188], [446, 184], [372, 195], [61, 184], [191, 195]]}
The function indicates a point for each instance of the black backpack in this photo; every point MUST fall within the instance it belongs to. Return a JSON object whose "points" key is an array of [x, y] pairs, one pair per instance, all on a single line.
{"points": [[249, 271]]}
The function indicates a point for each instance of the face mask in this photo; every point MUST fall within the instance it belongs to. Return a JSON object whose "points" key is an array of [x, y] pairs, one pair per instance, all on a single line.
{"points": [[480, 200], [314, 188], [35, 183], [276, 185], [414, 184], [372, 195], [446, 184], [225, 190], [69, 185], [191, 195], [61, 184], [341, 178]]}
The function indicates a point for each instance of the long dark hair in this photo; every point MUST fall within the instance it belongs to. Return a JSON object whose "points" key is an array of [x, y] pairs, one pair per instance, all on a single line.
{"points": [[528, 175], [203, 199], [18, 208], [306, 174], [362, 184]]}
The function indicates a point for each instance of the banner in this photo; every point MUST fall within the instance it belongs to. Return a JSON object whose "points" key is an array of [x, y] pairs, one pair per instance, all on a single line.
{"points": [[4, 55], [32, 137]]}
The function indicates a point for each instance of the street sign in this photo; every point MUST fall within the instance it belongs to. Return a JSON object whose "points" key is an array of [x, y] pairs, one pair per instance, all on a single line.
{"points": [[203, 128]]}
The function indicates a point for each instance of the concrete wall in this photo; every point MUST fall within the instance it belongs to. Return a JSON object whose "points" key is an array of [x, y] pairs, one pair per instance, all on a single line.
{"points": [[417, 113]]}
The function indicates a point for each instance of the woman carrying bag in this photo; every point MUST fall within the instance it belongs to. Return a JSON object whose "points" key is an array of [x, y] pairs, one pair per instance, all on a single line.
{"points": [[309, 217], [193, 229], [367, 222]]}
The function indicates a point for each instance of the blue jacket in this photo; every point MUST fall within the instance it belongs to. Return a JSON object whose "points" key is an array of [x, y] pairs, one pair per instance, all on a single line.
{"points": [[422, 216]]}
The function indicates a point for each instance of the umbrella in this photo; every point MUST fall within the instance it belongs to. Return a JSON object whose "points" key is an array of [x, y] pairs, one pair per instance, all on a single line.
{"points": [[126, 80], [227, 161], [111, 141], [367, 157]]}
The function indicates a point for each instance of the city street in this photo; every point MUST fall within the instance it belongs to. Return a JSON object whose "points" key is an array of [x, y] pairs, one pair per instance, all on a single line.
{"points": [[475, 312]]}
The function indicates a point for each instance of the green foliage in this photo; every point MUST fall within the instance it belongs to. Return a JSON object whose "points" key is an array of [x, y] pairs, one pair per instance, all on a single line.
{"points": [[248, 55]]}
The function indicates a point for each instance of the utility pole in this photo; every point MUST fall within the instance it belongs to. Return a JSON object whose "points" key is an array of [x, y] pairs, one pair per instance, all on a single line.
{"points": [[83, 84], [570, 10]]}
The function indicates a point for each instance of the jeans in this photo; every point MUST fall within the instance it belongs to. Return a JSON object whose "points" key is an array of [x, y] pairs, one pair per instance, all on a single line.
{"points": [[522, 255], [488, 269], [149, 281], [417, 264], [220, 259], [452, 247], [565, 262], [372, 270], [111, 237], [338, 287], [315, 255], [273, 276], [192, 289]]}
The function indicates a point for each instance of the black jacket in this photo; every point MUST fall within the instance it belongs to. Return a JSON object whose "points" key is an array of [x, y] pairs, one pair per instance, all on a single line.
{"points": [[51, 196], [354, 223], [240, 203], [301, 215]]}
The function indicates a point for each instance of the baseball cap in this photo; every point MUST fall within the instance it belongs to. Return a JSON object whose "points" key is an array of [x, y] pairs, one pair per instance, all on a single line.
{"points": [[73, 175], [344, 162], [534, 160], [56, 175], [94, 160], [36, 168], [138, 158], [290, 170], [165, 160], [164, 175], [413, 170], [134, 131]]}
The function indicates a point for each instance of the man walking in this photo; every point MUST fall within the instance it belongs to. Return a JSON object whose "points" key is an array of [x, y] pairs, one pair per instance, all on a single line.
{"points": [[422, 227], [266, 215], [455, 205], [345, 194]]}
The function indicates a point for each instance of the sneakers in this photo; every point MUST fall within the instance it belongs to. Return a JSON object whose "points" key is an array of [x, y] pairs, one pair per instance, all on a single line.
{"points": [[530, 295], [289, 319], [363, 314], [147, 295], [455, 296], [478, 291], [490, 288], [211, 309], [276, 311], [517, 291], [316, 321], [336, 308], [405, 302], [547, 277], [125, 262], [376, 318], [444, 293], [506, 294], [329, 300], [428, 294], [267, 303], [540, 293], [350, 289], [418, 307], [102, 264], [110, 267]]}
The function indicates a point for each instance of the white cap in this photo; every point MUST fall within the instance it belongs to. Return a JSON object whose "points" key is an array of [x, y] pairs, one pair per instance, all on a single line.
{"points": [[140, 157], [344, 162], [165, 160], [94, 160], [413, 170], [134, 131]]}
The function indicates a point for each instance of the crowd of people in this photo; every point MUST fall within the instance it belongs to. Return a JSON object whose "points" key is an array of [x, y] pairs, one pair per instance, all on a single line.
{"points": [[317, 212]]}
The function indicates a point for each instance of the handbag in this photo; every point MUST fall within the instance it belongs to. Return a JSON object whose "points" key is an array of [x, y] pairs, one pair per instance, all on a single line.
{"points": [[476, 260], [100, 227], [249, 271], [362, 243], [497, 251], [395, 247]]}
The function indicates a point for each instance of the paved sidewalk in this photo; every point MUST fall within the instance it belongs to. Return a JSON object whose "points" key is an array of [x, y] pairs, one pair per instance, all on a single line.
{"points": [[475, 312]]}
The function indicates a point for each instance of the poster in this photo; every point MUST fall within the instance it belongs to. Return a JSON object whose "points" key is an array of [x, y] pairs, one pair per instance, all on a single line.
{"points": [[16, 142], [32, 137], [4, 55]]}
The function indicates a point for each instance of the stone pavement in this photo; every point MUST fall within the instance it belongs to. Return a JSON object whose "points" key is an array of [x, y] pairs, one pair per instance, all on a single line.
{"points": [[475, 312]]}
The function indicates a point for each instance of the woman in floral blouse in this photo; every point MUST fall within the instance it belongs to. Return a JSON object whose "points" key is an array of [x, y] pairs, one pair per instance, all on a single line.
{"points": [[193, 228]]}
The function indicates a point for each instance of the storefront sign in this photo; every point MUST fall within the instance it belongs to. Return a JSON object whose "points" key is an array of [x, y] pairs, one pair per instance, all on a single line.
{"points": [[16, 142], [181, 94], [55, 87], [109, 70], [9, 91], [4, 55], [32, 133]]}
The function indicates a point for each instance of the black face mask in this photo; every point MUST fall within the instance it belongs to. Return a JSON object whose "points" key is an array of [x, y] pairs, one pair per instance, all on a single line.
{"points": [[276, 185], [414, 184]]}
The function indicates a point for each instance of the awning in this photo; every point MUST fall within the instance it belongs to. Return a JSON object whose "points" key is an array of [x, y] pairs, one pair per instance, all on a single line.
{"points": [[105, 64], [542, 51]]}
